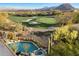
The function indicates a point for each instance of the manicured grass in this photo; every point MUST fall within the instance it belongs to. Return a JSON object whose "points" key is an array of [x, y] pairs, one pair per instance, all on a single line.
{"points": [[44, 21], [18, 18]]}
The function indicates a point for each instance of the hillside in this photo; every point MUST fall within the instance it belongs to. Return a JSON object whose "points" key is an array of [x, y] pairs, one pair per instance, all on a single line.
{"points": [[65, 6]]}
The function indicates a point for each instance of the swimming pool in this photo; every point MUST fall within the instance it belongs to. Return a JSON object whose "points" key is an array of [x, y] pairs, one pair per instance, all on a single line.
{"points": [[27, 47]]}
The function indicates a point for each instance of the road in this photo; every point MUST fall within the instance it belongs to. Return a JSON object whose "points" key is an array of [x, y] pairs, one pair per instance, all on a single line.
{"points": [[76, 26], [4, 51], [44, 30]]}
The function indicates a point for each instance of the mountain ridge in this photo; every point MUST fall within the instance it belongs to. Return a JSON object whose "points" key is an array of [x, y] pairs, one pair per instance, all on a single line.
{"points": [[65, 6]]}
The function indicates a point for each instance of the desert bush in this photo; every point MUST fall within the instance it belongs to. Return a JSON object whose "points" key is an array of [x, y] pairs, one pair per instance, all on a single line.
{"points": [[66, 42]]}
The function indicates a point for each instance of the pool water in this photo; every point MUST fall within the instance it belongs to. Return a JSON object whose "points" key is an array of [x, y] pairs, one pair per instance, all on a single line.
{"points": [[40, 52], [24, 47]]}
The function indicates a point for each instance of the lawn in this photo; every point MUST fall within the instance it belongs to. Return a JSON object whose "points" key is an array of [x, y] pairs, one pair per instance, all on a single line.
{"points": [[44, 21], [18, 18]]}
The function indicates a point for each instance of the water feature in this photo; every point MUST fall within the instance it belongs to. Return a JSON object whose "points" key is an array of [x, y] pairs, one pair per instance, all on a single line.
{"points": [[40, 52], [26, 47]]}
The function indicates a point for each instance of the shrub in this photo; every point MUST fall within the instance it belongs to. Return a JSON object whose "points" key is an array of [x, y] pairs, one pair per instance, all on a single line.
{"points": [[67, 42]]}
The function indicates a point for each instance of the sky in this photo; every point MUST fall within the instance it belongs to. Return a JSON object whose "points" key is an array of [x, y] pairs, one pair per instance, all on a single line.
{"points": [[32, 5]]}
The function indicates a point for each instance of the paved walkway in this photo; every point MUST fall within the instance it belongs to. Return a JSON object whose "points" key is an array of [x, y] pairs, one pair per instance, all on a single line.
{"points": [[4, 51], [44, 30]]}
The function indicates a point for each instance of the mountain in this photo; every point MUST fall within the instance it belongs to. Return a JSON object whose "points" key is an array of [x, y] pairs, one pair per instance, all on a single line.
{"points": [[47, 8], [62, 7], [65, 6]]}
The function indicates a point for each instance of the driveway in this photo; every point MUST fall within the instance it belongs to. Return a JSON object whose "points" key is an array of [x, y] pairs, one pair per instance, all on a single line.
{"points": [[4, 51]]}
